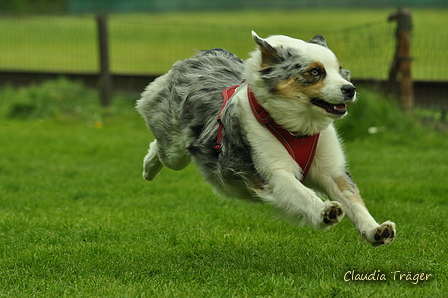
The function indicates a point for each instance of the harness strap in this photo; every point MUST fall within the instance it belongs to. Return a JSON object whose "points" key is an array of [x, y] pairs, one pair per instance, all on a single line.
{"points": [[301, 148], [226, 95]]}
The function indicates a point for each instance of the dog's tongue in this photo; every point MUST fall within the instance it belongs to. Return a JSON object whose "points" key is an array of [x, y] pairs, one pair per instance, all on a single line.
{"points": [[340, 107], [337, 108]]}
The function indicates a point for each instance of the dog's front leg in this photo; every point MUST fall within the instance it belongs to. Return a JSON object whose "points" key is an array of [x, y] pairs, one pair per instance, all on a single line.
{"points": [[285, 192], [343, 189]]}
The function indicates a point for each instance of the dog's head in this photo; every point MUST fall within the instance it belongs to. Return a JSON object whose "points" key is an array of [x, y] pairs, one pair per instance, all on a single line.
{"points": [[306, 74]]}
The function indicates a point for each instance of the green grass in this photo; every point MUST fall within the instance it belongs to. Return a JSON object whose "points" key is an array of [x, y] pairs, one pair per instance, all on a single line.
{"points": [[151, 43], [77, 219]]}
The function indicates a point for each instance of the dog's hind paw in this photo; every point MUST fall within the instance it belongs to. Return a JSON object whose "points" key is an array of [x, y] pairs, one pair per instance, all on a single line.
{"points": [[383, 234], [151, 163], [333, 213]]}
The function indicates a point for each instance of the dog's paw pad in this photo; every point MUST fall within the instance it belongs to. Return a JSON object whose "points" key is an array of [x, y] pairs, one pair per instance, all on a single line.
{"points": [[384, 234], [333, 213]]}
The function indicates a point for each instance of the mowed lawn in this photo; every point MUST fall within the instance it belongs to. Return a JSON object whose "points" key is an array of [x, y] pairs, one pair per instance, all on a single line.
{"points": [[77, 220]]}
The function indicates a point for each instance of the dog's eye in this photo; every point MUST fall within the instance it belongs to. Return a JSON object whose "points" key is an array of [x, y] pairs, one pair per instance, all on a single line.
{"points": [[315, 72]]}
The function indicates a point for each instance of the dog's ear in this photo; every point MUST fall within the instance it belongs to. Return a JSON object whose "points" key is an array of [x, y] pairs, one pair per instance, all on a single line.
{"points": [[345, 73], [320, 40], [269, 54]]}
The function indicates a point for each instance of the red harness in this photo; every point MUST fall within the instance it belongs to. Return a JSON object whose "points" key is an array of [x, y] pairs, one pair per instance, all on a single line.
{"points": [[301, 149]]}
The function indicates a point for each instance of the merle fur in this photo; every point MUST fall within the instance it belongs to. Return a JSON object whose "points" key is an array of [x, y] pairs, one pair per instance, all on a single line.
{"points": [[195, 91]]}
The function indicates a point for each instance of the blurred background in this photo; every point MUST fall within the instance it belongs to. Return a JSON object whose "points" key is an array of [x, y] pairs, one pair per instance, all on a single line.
{"points": [[43, 39]]}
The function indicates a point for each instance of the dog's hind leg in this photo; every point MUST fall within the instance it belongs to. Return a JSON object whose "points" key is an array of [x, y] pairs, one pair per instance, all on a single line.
{"points": [[151, 163], [174, 157]]}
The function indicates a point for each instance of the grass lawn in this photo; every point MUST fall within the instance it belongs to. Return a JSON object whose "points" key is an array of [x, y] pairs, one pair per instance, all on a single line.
{"points": [[77, 219], [151, 43]]}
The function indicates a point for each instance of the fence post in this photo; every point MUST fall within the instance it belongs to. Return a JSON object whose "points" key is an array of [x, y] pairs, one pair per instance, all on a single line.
{"points": [[105, 81], [402, 60]]}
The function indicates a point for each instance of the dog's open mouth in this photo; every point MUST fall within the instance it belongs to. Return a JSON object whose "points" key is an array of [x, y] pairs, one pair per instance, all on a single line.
{"points": [[335, 109]]}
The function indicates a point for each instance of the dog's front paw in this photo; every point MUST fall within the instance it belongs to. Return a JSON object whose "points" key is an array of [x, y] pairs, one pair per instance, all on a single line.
{"points": [[333, 213], [383, 234]]}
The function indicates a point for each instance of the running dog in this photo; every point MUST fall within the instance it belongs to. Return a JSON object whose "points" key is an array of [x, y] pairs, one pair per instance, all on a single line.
{"points": [[262, 129]]}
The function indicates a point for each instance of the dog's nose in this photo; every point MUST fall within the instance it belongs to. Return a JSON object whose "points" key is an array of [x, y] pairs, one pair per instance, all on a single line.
{"points": [[348, 90]]}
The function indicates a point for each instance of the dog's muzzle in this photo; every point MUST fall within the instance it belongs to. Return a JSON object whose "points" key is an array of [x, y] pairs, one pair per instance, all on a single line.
{"points": [[337, 109]]}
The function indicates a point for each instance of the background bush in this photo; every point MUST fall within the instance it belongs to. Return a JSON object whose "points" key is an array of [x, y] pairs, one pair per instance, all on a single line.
{"points": [[371, 113], [374, 113], [59, 98]]}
